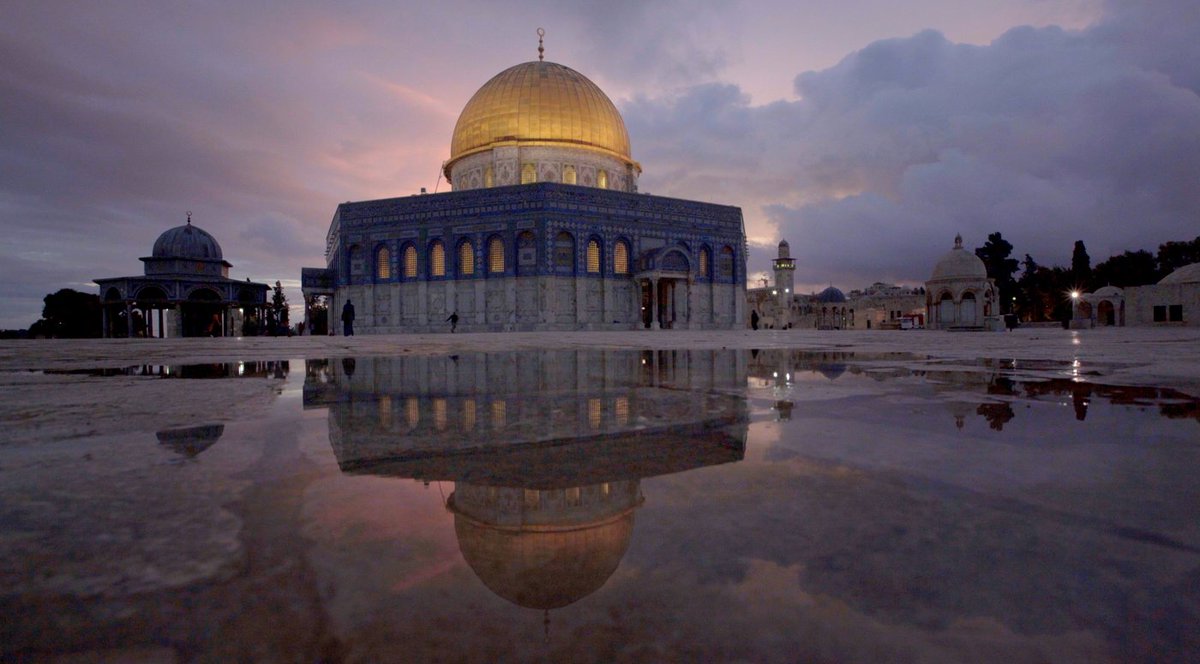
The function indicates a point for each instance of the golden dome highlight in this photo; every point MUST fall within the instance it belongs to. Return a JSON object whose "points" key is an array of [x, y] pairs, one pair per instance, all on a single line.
{"points": [[540, 103]]}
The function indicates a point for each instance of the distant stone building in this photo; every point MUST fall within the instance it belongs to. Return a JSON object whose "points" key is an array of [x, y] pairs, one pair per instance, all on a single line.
{"points": [[1173, 301], [959, 294], [879, 306], [185, 291], [544, 229]]}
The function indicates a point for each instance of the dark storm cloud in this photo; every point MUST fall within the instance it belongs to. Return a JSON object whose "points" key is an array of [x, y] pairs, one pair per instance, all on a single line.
{"points": [[1045, 135]]}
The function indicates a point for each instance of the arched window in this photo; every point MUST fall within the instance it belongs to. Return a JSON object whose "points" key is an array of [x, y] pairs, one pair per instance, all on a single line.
{"points": [[564, 253], [383, 263], [704, 262], [602, 178], [410, 262], [620, 258], [496, 255], [725, 264], [568, 174], [528, 174], [354, 262], [489, 178], [593, 257], [466, 259], [437, 259]]}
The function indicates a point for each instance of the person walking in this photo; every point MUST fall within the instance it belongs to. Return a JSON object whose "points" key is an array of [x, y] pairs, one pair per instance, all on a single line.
{"points": [[348, 319], [453, 322]]}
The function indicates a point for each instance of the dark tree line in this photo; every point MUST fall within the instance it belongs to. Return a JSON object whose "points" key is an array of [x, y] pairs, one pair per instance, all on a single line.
{"points": [[1043, 293]]}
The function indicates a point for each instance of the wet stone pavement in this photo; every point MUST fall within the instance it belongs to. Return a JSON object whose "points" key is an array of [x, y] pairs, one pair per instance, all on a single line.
{"points": [[763, 504]]}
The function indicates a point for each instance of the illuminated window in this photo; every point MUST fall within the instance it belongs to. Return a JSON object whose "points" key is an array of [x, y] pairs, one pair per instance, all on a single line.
{"points": [[605, 489], [437, 259], [499, 414], [385, 411], [439, 414], [532, 498], [466, 259], [564, 252], [621, 410], [568, 175], [496, 255], [593, 257], [704, 262], [412, 411], [469, 415], [725, 263], [594, 412], [410, 262], [621, 258], [528, 174], [574, 496], [602, 179], [383, 263], [489, 178]]}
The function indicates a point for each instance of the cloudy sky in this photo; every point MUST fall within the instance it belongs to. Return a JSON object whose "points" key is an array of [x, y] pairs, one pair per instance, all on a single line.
{"points": [[866, 132]]}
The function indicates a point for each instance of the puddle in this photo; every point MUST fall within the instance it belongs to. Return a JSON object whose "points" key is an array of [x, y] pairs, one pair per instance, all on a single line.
{"points": [[614, 505]]}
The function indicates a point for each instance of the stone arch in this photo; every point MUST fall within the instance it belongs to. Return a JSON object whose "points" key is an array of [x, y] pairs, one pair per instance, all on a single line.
{"points": [[968, 309], [674, 260], [464, 256], [526, 253], [151, 293], [564, 253], [408, 261], [383, 263], [1106, 313], [945, 309], [437, 259], [496, 263], [353, 262], [726, 271], [594, 257], [621, 256]]}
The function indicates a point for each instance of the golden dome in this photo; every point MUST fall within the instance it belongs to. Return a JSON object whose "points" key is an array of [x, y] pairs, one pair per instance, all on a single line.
{"points": [[543, 567], [540, 103]]}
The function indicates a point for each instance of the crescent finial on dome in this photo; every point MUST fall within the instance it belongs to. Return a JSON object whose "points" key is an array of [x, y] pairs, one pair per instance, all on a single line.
{"points": [[541, 51]]}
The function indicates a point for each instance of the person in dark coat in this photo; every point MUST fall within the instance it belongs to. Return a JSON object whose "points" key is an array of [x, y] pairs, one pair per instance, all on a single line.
{"points": [[453, 321], [348, 319]]}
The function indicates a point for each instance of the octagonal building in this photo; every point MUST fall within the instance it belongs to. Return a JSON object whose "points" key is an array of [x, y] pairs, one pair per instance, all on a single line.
{"points": [[544, 229]]}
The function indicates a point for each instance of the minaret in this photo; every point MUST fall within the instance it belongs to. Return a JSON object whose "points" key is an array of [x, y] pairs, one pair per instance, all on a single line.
{"points": [[785, 269]]}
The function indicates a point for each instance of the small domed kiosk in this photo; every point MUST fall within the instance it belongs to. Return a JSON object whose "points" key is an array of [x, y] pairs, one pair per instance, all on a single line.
{"points": [[185, 291], [959, 294]]}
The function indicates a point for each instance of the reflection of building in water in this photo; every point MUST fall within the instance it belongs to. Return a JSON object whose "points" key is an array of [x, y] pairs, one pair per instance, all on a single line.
{"points": [[546, 451], [388, 406], [781, 367], [190, 441]]}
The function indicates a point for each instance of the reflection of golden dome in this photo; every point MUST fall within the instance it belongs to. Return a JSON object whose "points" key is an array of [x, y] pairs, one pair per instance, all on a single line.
{"points": [[540, 103], [544, 567]]}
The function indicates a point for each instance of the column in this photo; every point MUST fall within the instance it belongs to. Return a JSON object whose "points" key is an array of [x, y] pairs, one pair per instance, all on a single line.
{"points": [[128, 320], [654, 304]]}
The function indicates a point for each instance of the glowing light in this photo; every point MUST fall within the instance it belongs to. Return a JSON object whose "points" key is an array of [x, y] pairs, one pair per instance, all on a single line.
{"points": [[1074, 295]]}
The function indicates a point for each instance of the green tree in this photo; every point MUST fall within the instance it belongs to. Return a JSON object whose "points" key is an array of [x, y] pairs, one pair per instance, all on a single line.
{"points": [[1081, 267], [995, 256], [1132, 268], [69, 314], [280, 305], [1174, 255]]}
